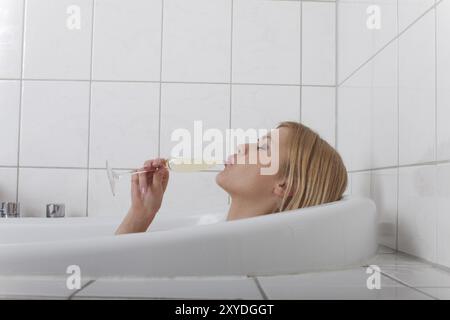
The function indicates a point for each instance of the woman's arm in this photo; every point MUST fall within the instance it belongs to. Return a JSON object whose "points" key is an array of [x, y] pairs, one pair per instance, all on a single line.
{"points": [[147, 191]]}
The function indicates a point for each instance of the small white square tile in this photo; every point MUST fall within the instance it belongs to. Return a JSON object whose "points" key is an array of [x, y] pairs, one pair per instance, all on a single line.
{"points": [[384, 194], [58, 39], [35, 287], [266, 42], [127, 40], [360, 36], [264, 106], [443, 80], [417, 211], [174, 288], [417, 92], [101, 201], [197, 40], [419, 275], [410, 10], [319, 112], [192, 192], [340, 285], [361, 183], [124, 124], [39, 187], [9, 118], [443, 214], [318, 43], [184, 104], [8, 184], [11, 30], [55, 119]]}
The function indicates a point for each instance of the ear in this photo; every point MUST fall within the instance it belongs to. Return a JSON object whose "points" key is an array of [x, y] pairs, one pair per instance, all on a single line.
{"points": [[280, 189]]}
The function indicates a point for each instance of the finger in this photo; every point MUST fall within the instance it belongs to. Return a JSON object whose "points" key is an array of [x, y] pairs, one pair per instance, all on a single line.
{"points": [[142, 181], [135, 192]]}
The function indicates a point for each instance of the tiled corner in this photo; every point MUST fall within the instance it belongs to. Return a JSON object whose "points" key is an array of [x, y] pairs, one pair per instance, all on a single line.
{"points": [[266, 42], [264, 106], [173, 288], [39, 187], [443, 80], [384, 194], [8, 177], [54, 126], [127, 40], [36, 288], [417, 211], [341, 284], [417, 92], [196, 40], [58, 39], [319, 111], [124, 124], [318, 43], [9, 115], [182, 105], [11, 30]]}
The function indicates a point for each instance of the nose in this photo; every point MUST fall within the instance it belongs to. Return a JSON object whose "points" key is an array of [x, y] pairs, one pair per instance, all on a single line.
{"points": [[242, 149]]}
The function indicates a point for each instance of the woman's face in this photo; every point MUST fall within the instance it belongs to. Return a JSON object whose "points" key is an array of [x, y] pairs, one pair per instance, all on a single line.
{"points": [[246, 174]]}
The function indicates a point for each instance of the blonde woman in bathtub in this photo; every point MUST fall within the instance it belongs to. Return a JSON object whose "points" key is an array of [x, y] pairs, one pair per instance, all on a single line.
{"points": [[311, 172]]}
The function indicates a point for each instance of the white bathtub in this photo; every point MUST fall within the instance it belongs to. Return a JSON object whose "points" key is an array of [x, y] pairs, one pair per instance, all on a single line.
{"points": [[329, 236]]}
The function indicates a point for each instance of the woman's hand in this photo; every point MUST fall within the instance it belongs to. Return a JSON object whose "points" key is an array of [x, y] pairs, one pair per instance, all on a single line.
{"points": [[147, 191]]}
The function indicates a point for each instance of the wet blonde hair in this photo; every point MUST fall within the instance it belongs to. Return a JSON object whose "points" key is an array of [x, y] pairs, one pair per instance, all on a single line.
{"points": [[314, 171]]}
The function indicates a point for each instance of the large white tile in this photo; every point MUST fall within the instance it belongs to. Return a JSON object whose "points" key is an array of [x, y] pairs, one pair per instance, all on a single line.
{"points": [[174, 288], [35, 287], [318, 42], [368, 113], [410, 10], [124, 124], [54, 127], [197, 40], [417, 211], [39, 187], [417, 92], [192, 192], [58, 39], [9, 119], [127, 40], [419, 275], [340, 285], [384, 194], [443, 215], [319, 112], [101, 201], [266, 41], [443, 80], [358, 32], [8, 184], [184, 104], [263, 107], [11, 29], [439, 293], [361, 183]]}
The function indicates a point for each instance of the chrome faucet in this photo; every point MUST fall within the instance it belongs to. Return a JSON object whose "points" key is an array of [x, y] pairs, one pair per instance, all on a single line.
{"points": [[55, 210], [10, 210]]}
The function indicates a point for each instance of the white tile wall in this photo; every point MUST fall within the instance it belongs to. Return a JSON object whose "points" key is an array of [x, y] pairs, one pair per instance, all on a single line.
{"points": [[197, 40], [9, 119], [57, 42], [11, 29], [8, 187], [124, 50], [443, 214], [410, 10]]}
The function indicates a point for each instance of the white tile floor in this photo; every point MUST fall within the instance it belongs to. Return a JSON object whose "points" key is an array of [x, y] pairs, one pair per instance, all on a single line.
{"points": [[402, 277]]}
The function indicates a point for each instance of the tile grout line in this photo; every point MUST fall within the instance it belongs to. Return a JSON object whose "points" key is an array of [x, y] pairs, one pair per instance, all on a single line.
{"points": [[260, 288], [336, 72], [436, 241], [90, 107], [87, 284], [20, 98], [409, 165], [230, 112], [398, 129], [388, 43], [301, 63], [160, 78]]}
